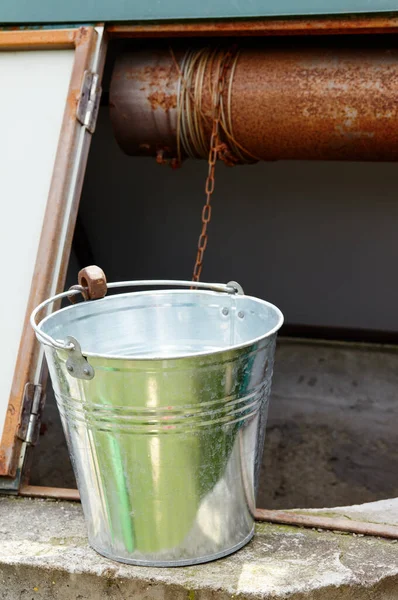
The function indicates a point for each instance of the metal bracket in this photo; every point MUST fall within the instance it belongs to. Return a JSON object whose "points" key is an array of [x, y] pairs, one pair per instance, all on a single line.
{"points": [[238, 288], [89, 101], [77, 365], [33, 403]]}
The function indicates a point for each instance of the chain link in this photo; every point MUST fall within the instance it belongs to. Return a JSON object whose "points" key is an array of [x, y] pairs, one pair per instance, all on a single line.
{"points": [[213, 154]]}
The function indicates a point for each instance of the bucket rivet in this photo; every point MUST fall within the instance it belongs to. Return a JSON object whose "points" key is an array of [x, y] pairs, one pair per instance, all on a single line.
{"points": [[241, 314], [70, 368], [225, 311]]}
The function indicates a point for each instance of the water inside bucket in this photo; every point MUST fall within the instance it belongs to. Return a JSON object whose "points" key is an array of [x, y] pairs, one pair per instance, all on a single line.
{"points": [[164, 324]]}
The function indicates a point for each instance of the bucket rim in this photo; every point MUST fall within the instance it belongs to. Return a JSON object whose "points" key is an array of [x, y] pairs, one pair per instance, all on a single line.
{"points": [[137, 358]]}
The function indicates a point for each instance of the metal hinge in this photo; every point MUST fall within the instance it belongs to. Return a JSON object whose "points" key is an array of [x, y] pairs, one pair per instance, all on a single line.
{"points": [[33, 403], [89, 101]]}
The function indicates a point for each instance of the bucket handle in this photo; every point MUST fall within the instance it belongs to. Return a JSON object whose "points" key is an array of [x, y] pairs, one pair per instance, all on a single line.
{"points": [[230, 288]]}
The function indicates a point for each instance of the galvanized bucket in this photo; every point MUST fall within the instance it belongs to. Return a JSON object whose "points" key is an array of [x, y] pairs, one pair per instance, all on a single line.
{"points": [[163, 397]]}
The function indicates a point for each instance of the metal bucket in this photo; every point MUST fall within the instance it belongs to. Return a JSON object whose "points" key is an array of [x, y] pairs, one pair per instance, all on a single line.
{"points": [[164, 412]]}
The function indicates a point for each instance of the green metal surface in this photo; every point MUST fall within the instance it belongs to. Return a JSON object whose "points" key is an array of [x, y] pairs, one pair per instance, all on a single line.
{"points": [[76, 11]]}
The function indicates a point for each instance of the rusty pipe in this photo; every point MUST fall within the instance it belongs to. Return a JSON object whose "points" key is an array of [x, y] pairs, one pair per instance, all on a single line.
{"points": [[304, 103], [329, 523], [36, 491]]}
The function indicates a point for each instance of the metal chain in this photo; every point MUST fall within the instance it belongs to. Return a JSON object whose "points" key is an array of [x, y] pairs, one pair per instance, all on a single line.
{"points": [[213, 153]]}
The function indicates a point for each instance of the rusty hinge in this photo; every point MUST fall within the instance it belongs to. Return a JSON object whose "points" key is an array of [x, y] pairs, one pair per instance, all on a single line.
{"points": [[89, 101], [30, 419]]}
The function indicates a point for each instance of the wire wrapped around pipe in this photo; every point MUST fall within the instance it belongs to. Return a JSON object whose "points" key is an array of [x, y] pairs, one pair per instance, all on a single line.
{"points": [[198, 68]]}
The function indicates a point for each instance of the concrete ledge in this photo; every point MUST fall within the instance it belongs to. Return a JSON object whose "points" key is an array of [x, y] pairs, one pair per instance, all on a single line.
{"points": [[44, 554]]}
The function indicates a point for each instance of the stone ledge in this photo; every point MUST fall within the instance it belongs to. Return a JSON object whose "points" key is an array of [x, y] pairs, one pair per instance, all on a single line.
{"points": [[44, 554]]}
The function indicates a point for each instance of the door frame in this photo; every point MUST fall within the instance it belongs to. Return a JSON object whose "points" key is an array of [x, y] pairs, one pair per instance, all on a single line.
{"points": [[55, 243]]}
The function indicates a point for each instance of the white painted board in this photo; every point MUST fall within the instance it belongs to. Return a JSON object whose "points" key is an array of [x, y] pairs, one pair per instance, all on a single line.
{"points": [[33, 92]]}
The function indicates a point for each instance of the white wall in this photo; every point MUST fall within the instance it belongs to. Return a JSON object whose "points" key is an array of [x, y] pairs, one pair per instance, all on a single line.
{"points": [[318, 239], [34, 87]]}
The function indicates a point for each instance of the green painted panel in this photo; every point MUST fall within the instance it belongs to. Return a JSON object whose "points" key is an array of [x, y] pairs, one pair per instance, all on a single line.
{"points": [[77, 11]]}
